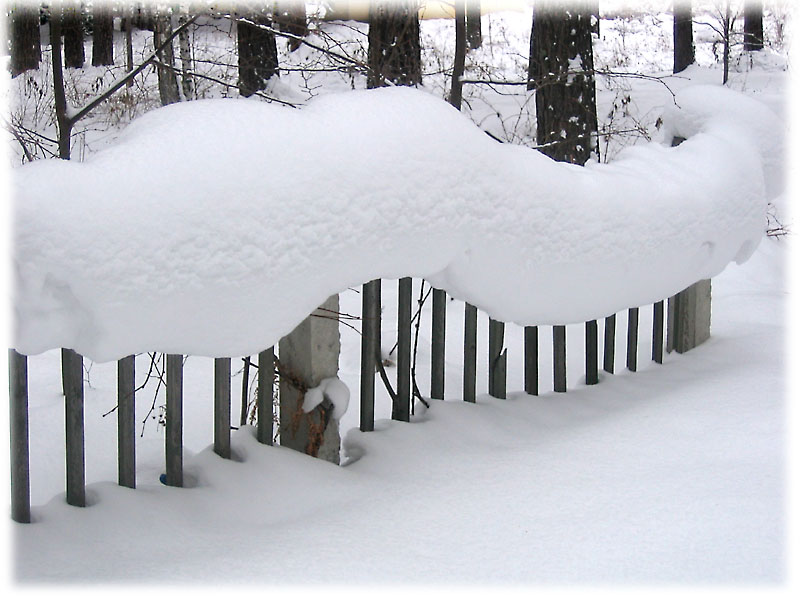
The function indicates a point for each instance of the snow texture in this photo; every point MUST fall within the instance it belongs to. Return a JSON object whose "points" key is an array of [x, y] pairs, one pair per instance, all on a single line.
{"points": [[332, 389], [214, 227]]}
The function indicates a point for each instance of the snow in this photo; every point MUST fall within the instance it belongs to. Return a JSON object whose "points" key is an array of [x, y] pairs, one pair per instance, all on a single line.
{"points": [[671, 475], [301, 204], [676, 474], [332, 389]]}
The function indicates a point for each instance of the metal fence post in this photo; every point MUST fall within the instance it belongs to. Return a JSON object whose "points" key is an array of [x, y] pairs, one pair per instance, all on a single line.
{"points": [[438, 324], [532, 360], [222, 407], [470, 351], [126, 415], [497, 359], [658, 332], [560, 358], [402, 408], [608, 343], [174, 429], [633, 337], [72, 368], [591, 352], [20, 449], [370, 348]]}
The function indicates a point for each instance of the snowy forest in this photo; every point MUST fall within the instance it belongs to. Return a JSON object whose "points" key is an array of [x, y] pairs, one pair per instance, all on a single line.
{"points": [[398, 291]]}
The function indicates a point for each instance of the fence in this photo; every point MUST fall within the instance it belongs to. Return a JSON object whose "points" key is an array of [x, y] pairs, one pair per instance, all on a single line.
{"points": [[687, 324]]}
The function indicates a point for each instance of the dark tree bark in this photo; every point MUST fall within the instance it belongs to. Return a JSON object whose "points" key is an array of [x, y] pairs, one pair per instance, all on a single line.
{"points": [[143, 16], [394, 50], [72, 29], [290, 16], [683, 40], [167, 79], [753, 25], [460, 54], [26, 47], [102, 35], [474, 37], [727, 28], [258, 52], [62, 119], [561, 70]]}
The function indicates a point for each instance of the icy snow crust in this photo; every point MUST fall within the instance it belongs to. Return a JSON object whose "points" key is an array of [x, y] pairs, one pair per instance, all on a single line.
{"points": [[214, 227]]}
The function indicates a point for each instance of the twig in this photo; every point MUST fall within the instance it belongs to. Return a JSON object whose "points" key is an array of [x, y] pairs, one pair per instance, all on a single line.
{"points": [[420, 302], [302, 40], [219, 81], [77, 116]]}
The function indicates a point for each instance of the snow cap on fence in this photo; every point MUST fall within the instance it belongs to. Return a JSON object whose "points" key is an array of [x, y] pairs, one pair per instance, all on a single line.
{"points": [[332, 389], [214, 227]]}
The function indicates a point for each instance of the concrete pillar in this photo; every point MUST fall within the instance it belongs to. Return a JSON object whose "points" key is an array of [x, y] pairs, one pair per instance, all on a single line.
{"points": [[308, 355], [689, 317]]}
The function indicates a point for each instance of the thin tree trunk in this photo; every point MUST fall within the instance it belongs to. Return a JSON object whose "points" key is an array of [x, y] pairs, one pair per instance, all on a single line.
{"points": [[59, 95], [167, 80], [460, 54], [726, 43], [683, 40], [143, 17], [184, 46], [473, 16], [72, 28], [26, 48], [102, 35], [129, 43]]}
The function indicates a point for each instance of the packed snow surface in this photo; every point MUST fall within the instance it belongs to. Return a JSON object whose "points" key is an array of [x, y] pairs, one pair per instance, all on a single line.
{"points": [[214, 227]]}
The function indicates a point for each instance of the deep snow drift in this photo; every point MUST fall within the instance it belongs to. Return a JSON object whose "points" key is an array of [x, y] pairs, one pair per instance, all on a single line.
{"points": [[213, 228]]}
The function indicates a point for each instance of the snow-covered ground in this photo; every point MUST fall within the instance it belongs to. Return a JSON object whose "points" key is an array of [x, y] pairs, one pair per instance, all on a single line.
{"points": [[674, 474]]}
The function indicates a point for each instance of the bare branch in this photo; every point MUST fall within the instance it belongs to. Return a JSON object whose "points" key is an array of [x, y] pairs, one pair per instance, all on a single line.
{"points": [[74, 118]]}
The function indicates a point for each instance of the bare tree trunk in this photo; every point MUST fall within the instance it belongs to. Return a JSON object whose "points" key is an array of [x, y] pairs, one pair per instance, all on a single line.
{"points": [[753, 25], [473, 12], [184, 46], [72, 28], [460, 54], [167, 80], [566, 106], [290, 16], [683, 40], [102, 35], [142, 17], [129, 42], [726, 42], [59, 95], [258, 52], [394, 50], [26, 47]]}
